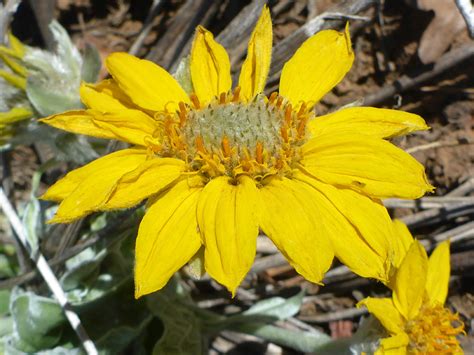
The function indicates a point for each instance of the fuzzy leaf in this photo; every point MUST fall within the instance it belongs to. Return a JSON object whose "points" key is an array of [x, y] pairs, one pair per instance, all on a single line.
{"points": [[301, 341], [277, 307], [31, 216], [83, 270], [48, 102], [74, 148], [4, 302], [38, 320], [182, 329], [91, 64]]}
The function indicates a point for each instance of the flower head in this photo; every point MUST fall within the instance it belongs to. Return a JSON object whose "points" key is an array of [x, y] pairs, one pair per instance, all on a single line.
{"points": [[12, 56], [217, 164], [37, 82], [13, 105], [415, 316]]}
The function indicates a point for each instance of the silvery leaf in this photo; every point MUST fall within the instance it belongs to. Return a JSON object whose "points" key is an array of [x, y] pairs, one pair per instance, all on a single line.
{"points": [[66, 51], [31, 216], [48, 102], [38, 321], [91, 64], [277, 307]]}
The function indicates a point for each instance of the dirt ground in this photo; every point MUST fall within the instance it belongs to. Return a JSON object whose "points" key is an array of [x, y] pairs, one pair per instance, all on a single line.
{"points": [[387, 42]]}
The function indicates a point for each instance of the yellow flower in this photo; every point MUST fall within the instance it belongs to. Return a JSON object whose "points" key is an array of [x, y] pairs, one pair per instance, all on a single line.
{"points": [[415, 316], [7, 119], [218, 165], [12, 57], [16, 76]]}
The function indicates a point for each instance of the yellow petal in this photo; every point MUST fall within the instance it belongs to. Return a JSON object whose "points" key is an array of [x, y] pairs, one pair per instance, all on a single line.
{"points": [[126, 125], [384, 310], [93, 190], [295, 220], [5, 51], [146, 83], [355, 240], [395, 345], [65, 186], [254, 72], [403, 241], [15, 44], [14, 115], [100, 101], [111, 88], [147, 179], [209, 66], [167, 238], [79, 121], [410, 281], [228, 221], [131, 126], [439, 270], [14, 64], [374, 122], [317, 66], [15, 80], [370, 165], [368, 217]]}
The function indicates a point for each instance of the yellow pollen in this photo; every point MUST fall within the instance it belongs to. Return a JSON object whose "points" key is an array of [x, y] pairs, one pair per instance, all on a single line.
{"points": [[272, 98], [200, 145], [302, 110], [236, 96], [182, 114], [222, 98], [288, 112], [279, 101], [195, 101], [226, 147], [228, 136], [259, 153], [302, 126], [284, 133], [434, 331]]}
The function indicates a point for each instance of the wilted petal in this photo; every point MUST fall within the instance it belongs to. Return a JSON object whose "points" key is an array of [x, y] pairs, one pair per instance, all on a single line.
{"points": [[209, 66], [253, 74]]}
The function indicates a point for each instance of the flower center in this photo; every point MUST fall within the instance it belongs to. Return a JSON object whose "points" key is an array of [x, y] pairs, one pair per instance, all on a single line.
{"points": [[231, 137], [434, 331]]}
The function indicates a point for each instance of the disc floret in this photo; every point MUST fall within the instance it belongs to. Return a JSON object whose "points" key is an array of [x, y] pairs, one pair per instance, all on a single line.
{"points": [[434, 330], [231, 137]]}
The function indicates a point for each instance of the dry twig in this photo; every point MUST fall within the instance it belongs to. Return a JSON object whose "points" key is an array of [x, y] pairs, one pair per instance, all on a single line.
{"points": [[440, 144], [334, 316], [467, 12], [147, 25], [428, 202], [48, 275], [6, 14], [176, 41], [284, 49], [407, 82]]}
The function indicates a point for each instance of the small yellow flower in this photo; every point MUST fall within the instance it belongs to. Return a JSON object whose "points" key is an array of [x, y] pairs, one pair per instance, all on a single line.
{"points": [[12, 56], [15, 76], [218, 164], [7, 119], [415, 316]]}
